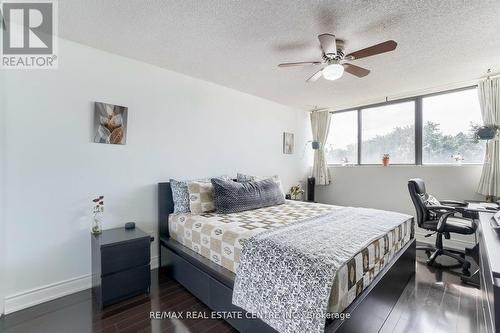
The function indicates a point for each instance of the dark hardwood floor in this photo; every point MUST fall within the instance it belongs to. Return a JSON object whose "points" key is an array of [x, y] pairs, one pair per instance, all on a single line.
{"points": [[435, 301]]}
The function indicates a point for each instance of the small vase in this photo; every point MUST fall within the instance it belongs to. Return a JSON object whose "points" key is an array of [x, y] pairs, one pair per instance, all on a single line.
{"points": [[96, 226], [385, 162]]}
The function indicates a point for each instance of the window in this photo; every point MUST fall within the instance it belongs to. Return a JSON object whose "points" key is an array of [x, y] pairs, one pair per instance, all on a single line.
{"points": [[428, 129], [447, 120], [388, 129], [342, 147]]}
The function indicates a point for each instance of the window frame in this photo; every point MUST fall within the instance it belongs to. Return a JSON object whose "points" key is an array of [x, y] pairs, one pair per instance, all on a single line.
{"points": [[418, 105], [358, 133]]}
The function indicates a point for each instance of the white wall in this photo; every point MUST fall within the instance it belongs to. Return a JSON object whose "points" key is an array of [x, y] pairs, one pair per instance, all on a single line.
{"points": [[2, 162], [386, 188], [178, 127]]}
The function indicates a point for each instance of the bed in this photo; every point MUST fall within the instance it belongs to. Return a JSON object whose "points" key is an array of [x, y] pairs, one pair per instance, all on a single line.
{"points": [[202, 253]]}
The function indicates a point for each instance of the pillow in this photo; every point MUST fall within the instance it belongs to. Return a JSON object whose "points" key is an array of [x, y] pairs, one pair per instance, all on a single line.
{"points": [[180, 193], [180, 196], [241, 177], [201, 197], [233, 197], [430, 200]]}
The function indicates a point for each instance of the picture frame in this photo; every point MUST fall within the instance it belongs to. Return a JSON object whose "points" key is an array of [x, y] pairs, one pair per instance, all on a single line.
{"points": [[110, 123], [288, 143]]}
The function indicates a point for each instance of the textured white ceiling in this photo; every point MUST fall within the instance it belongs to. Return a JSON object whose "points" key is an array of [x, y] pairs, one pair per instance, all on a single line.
{"points": [[239, 43]]}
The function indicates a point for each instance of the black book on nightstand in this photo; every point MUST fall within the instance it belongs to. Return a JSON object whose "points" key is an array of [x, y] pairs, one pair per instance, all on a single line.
{"points": [[120, 265]]}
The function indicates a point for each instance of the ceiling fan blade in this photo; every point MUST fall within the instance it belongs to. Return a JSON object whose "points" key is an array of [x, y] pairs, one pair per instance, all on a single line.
{"points": [[356, 70], [387, 46], [303, 63], [315, 76], [328, 43]]}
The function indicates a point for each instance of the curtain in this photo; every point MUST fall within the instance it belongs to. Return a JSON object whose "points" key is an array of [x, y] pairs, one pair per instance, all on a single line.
{"points": [[320, 124], [489, 100]]}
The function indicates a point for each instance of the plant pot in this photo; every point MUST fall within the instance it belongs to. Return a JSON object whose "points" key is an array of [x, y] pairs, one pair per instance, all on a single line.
{"points": [[385, 162], [96, 226]]}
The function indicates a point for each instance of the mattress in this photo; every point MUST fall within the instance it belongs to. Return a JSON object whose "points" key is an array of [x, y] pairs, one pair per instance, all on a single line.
{"points": [[220, 238]]}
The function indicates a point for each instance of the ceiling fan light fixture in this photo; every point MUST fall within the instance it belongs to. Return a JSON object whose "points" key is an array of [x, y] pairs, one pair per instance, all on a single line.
{"points": [[333, 72]]}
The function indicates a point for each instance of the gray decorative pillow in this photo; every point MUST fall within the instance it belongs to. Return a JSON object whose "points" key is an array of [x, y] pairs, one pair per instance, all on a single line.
{"points": [[232, 197], [180, 196], [241, 178]]}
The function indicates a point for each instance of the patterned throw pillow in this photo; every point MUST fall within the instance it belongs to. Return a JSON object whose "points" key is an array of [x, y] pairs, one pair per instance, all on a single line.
{"points": [[201, 197], [431, 201], [180, 193], [241, 178], [234, 197], [180, 196]]}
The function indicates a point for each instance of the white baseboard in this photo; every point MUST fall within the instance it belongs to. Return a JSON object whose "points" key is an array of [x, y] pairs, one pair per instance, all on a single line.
{"points": [[46, 293], [155, 262], [52, 291]]}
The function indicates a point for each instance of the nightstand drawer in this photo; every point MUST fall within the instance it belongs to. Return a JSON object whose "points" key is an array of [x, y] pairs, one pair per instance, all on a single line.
{"points": [[121, 257], [118, 286]]}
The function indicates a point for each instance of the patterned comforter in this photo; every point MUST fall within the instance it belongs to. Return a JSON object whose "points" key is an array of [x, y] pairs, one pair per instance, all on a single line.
{"points": [[286, 274], [220, 238]]}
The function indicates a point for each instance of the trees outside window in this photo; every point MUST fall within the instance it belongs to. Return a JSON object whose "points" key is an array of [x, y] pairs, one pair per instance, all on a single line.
{"points": [[445, 125], [388, 129], [342, 147], [447, 120]]}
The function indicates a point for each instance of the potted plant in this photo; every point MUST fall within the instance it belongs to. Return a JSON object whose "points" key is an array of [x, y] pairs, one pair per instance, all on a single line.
{"points": [[97, 212], [295, 191], [386, 158], [486, 132], [458, 158]]}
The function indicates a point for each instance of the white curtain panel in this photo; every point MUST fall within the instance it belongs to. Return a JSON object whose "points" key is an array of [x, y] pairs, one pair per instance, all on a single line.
{"points": [[489, 100], [320, 124]]}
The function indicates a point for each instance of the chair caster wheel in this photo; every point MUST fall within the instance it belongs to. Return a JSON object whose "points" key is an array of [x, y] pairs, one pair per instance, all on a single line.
{"points": [[465, 272], [430, 262], [428, 253]]}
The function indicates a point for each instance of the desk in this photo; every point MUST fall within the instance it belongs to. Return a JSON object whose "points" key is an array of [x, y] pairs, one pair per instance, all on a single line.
{"points": [[489, 265]]}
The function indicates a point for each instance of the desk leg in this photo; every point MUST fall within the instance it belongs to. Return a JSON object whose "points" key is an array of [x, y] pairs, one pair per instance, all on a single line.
{"points": [[474, 278]]}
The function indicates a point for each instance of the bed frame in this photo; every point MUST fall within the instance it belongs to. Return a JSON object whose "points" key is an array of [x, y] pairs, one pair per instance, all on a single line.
{"points": [[213, 284]]}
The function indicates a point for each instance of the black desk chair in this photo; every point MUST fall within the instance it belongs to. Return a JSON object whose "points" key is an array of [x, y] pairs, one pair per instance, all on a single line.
{"points": [[439, 217]]}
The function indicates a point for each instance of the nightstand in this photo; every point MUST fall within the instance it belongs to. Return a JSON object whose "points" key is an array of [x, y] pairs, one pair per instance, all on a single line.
{"points": [[120, 265]]}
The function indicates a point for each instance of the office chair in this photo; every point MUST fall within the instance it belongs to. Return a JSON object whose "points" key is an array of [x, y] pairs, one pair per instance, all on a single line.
{"points": [[439, 217]]}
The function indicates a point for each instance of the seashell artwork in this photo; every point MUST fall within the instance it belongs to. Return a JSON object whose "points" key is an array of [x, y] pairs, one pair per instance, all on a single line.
{"points": [[110, 123]]}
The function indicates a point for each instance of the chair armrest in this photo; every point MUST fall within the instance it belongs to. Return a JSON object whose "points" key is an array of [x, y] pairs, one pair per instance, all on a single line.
{"points": [[440, 209], [442, 221], [442, 212], [453, 203]]}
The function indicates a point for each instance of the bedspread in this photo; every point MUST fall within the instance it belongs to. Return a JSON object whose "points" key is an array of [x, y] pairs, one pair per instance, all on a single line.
{"points": [[286, 274]]}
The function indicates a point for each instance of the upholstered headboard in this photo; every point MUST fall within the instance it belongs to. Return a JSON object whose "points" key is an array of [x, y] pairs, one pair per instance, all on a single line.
{"points": [[165, 207]]}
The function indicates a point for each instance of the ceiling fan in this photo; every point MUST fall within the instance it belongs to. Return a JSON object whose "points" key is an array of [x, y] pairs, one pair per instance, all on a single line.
{"points": [[335, 61]]}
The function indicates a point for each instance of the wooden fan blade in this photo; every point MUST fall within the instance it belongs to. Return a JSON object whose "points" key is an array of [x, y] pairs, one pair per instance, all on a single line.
{"points": [[390, 45], [356, 70], [303, 63], [315, 76], [328, 43]]}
